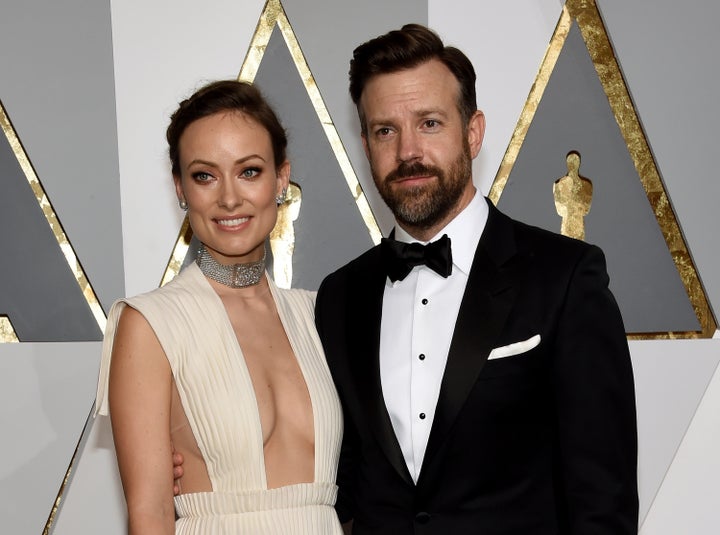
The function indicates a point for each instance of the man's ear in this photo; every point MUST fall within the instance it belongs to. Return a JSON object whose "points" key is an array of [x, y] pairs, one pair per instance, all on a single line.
{"points": [[363, 136], [476, 132]]}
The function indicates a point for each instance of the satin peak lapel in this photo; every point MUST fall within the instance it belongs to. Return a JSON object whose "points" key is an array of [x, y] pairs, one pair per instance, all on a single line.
{"points": [[487, 302], [367, 297]]}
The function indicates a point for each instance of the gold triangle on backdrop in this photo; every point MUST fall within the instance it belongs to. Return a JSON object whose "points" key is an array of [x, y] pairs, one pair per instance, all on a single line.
{"points": [[55, 226], [589, 21], [7, 332], [273, 15]]}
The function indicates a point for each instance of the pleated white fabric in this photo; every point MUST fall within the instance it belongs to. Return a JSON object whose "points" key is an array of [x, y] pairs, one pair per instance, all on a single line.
{"points": [[217, 395]]}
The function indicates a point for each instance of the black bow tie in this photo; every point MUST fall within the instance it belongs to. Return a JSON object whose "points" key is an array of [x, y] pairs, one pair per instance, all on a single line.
{"points": [[399, 258]]}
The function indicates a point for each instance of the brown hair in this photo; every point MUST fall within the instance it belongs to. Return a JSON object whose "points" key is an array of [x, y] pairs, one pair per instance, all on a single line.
{"points": [[225, 95], [406, 48]]}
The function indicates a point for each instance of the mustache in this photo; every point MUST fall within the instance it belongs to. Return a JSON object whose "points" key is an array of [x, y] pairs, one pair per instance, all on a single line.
{"points": [[406, 170]]}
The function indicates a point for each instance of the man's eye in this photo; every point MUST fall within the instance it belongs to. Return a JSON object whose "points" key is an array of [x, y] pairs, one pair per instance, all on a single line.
{"points": [[383, 132], [431, 123]]}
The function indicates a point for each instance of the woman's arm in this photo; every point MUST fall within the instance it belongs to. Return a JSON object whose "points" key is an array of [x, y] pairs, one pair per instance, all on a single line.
{"points": [[139, 397]]}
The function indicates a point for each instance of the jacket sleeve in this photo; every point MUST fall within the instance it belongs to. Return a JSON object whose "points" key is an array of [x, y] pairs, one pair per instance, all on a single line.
{"points": [[595, 406], [325, 320]]}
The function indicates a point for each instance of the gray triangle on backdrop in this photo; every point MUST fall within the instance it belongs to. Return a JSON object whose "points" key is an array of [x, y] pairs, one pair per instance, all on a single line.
{"points": [[38, 290], [329, 230], [574, 115]]}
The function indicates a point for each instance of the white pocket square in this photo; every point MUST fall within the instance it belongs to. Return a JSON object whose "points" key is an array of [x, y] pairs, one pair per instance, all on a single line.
{"points": [[514, 349]]}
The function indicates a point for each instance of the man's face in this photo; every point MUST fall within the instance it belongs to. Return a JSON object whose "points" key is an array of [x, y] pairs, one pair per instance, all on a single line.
{"points": [[420, 152]]}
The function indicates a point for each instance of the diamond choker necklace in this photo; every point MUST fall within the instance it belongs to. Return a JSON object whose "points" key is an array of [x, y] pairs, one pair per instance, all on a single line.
{"points": [[234, 276]]}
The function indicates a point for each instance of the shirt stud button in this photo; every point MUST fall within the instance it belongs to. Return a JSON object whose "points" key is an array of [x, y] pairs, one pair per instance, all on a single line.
{"points": [[421, 356], [422, 415], [424, 301]]}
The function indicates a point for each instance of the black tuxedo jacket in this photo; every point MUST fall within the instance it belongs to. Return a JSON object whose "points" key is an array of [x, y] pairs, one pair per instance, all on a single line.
{"points": [[541, 442]]}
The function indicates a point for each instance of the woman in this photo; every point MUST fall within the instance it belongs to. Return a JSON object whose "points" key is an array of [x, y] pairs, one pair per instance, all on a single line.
{"points": [[220, 365]]}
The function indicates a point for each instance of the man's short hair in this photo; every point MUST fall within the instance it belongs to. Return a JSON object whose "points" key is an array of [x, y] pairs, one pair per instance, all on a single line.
{"points": [[406, 48]]}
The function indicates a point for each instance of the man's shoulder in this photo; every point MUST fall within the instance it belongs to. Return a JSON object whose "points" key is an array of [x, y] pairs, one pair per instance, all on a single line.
{"points": [[369, 261], [550, 253], [531, 237], [337, 284]]}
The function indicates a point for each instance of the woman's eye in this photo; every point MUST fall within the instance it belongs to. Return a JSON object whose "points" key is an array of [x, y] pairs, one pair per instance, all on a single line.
{"points": [[250, 172], [201, 176]]}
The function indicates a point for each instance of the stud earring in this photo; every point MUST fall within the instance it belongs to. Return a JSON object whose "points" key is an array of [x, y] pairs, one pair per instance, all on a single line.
{"points": [[183, 204], [281, 197]]}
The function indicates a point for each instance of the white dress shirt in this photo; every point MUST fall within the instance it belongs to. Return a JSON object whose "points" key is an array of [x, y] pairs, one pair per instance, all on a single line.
{"points": [[418, 320]]}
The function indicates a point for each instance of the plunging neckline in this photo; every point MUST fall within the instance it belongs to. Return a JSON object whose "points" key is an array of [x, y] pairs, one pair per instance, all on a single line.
{"points": [[253, 394]]}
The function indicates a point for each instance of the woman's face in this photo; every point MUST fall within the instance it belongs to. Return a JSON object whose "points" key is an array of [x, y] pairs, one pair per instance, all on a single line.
{"points": [[229, 180]]}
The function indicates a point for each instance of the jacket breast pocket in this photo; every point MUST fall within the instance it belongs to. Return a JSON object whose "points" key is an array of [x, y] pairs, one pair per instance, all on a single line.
{"points": [[515, 358]]}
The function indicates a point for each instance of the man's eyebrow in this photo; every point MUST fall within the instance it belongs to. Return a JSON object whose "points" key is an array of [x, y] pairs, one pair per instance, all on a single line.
{"points": [[418, 114], [431, 111]]}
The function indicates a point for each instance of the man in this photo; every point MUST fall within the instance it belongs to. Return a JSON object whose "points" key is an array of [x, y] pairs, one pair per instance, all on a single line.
{"points": [[489, 391]]}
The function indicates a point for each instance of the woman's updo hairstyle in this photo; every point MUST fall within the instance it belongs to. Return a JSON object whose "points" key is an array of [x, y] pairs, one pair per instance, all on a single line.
{"points": [[225, 96]]}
